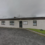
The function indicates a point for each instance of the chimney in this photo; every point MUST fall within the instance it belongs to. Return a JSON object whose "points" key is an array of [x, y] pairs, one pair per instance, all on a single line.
{"points": [[14, 17]]}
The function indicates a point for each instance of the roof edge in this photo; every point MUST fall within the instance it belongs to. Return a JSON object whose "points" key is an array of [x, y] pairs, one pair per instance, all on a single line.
{"points": [[25, 18]]}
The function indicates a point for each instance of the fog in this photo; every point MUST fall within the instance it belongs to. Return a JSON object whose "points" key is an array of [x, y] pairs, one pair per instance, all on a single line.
{"points": [[22, 8]]}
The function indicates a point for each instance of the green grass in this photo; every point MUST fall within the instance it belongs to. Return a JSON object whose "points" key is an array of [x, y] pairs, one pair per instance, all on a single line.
{"points": [[38, 30]]}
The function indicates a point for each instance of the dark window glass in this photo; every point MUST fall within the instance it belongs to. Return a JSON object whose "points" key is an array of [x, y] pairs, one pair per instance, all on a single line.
{"points": [[34, 23], [11, 22], [3, 22]]}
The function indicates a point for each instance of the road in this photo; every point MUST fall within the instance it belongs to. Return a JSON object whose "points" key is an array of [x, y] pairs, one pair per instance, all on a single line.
{"points": [[20, 37]]}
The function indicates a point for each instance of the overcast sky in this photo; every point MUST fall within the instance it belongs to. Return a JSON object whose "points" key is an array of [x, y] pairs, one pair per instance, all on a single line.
{"points": [[27, 8]]}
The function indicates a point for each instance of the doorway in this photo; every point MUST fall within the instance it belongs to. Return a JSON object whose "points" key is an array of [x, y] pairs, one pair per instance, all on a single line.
{"points": [[20, 24]]}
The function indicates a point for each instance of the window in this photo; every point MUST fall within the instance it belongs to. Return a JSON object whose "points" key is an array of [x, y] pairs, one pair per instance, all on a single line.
{"points": [[25, 22], [3, 22], [11, 22], [34, 23]]}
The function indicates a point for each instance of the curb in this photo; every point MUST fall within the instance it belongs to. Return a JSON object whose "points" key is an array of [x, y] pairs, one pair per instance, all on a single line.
{"points": [[36, 32]]}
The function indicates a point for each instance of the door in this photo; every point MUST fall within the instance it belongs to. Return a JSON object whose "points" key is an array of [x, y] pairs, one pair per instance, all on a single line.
{"points": [[20, 24]]}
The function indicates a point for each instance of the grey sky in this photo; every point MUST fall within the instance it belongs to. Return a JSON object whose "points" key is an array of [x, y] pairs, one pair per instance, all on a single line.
{"points": [[10, 8]]}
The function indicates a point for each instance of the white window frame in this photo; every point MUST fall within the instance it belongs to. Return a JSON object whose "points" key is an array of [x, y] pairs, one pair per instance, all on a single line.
{"points": [[12, 23], [35, 23], [3, 22]]}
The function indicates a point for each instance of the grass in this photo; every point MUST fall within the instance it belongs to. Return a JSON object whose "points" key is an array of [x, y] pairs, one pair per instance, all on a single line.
{"points": [[38, 30]]}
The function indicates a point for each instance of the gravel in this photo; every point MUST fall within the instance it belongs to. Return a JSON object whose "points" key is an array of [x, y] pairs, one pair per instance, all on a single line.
{"points": [[10, 36]]}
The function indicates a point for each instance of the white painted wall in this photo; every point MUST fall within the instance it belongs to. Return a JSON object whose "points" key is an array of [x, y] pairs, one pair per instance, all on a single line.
{"points": [[7, 24], [40, 24]]}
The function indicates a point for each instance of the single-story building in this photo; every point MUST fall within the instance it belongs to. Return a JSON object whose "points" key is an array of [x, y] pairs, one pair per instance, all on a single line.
{"points": [[29, 22]]}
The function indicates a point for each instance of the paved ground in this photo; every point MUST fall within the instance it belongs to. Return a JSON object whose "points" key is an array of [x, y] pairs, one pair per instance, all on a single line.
{"points": [[20, 37]]}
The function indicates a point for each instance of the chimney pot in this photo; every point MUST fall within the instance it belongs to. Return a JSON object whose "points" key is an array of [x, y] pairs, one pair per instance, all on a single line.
{"points": [[14, 17]]}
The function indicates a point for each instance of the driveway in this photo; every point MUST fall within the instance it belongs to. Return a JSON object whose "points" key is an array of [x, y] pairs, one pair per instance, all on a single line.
{"points": [[20, 37]]}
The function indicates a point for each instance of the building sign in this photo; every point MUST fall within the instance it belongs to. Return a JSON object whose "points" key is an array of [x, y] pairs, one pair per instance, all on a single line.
{"points": [[25, 22]]}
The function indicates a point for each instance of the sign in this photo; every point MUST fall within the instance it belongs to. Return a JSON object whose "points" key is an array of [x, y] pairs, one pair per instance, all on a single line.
{"points": [[25, 22]]}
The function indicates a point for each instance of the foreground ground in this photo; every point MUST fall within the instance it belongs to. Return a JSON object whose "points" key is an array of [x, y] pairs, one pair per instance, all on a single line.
{"points": [[20, 37]]}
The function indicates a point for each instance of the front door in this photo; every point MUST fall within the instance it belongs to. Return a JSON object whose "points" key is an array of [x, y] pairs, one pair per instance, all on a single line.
{"points": [[20, 24]]}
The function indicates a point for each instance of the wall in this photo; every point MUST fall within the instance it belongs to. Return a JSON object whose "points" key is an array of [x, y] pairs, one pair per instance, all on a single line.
{"points": [[40, 24], [7, 24]]}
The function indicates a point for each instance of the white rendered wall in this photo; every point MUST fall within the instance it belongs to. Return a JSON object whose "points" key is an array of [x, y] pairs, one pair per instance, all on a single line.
{"points": [[40, 24]]}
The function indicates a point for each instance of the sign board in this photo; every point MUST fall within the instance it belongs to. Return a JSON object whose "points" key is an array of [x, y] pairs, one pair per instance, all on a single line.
{"points": [[25, 22]]}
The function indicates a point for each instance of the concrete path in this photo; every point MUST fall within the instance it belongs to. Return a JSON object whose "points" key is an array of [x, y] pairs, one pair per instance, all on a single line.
{"points": [[20, 37]]}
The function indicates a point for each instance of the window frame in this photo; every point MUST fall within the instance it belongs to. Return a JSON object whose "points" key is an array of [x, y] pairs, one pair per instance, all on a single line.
{"points": [[35, 22], [12, 22], [2, 22]]}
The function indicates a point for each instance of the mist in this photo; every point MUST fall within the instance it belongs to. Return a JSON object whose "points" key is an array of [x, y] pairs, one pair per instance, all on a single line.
{"points": [[24, 8]]}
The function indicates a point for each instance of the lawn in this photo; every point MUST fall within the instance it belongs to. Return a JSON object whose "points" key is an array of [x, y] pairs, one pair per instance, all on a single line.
{"points": [[38, 30]]}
